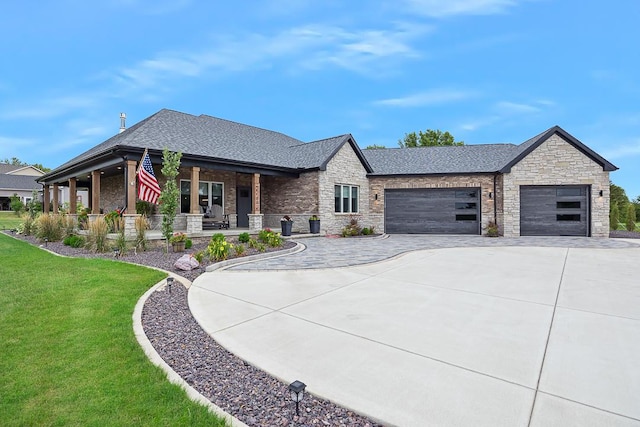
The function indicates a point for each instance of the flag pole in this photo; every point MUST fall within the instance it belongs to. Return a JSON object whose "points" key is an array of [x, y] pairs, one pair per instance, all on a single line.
{"points": [[141, 160]]}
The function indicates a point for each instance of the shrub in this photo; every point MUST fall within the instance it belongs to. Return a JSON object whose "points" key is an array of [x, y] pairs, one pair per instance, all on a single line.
{"points": [[631, 216], [366, 231], [112, 220], [199, 256], [74, 241], [614, 217], [188, 244], [352, 228], [142, 224], [492, 229], [239, 250], [263, 235], [28, 225], [97, 236], [16, 204], [144, 208], [255, 244], [218, 248], [49, 227], [270, 237], [83, 219], [244, 237], [121, 243]]}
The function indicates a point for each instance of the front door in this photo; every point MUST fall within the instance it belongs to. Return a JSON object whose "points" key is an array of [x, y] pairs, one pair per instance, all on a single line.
{"points": [[243, 205]]}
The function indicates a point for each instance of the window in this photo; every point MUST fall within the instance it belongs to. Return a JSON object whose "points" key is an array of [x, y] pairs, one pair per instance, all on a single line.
{"points": [[568, 205], [460, 194], [463, 205], [466, 217], [346, 198], [568, 191], [568, 217], [209, 194]]}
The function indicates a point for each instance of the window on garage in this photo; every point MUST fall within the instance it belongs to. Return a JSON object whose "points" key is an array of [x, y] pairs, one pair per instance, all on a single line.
{"points": [[346, 198]]}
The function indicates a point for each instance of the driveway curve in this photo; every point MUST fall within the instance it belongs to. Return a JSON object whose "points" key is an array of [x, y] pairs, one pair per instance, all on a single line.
{"points": [[519, 332]]}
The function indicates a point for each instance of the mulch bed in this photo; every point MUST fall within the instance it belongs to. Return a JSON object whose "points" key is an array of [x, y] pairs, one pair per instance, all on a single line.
{"points": [[623, 234]]}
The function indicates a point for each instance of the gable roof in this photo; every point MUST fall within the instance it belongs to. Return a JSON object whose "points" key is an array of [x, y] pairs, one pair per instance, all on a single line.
{"points": [[481, 158], [217, 140], [531, 144], [19, 182], [25, 170], [6, 168]]}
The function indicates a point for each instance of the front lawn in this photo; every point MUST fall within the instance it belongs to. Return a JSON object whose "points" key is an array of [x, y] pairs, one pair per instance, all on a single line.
{"points": [[68, 354], [9, 220]]}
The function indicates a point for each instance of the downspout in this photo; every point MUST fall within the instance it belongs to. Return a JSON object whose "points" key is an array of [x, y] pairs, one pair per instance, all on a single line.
{"points": [[495, 201]]}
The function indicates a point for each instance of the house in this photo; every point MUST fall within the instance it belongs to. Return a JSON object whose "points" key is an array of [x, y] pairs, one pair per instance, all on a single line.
{"points": [[551, 184], [21, 181]]}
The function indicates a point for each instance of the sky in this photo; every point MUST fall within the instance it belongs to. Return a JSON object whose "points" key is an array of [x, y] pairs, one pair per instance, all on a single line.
{"points": [[488, 71]]}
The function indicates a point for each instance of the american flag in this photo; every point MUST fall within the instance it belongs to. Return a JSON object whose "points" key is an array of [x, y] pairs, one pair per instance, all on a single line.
{"points": [[148, 188]]}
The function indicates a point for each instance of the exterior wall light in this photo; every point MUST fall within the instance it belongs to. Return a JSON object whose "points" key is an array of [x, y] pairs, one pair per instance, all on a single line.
{"points": [[490, 195], [296, 389], [169, 283], [601, 193]]}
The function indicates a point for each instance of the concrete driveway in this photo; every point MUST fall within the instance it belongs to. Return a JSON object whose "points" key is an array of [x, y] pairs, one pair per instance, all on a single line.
{"points": [[493, 336]]}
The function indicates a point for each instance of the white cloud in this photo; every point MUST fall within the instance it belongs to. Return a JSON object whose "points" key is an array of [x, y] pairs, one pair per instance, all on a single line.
{"points": [[631, 149], [507, 110], [506, 107], [443, 8], [432, 97], [49, 108]]}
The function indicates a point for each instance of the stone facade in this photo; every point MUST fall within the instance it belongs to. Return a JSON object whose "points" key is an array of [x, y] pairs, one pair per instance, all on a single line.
{"points": [[557, 162], [295, 197], [112, 194], [485, 182], [344, 168]]}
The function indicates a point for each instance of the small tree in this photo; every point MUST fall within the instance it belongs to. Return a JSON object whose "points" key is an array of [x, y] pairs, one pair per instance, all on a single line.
{"points": [[631, 217], [34, 207], [16, 204], [614, 217], [169, 196]]}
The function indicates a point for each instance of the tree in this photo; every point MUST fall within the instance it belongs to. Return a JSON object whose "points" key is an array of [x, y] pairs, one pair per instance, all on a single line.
{"points": [[631, 217], [375, 147], [429, 138], [614, 217], [636, 204], [17, 162], [169, 196], [619, 197], [16, 204]]}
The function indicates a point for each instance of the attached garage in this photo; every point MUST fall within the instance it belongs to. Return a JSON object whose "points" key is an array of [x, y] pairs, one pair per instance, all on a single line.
{"points": [[432, 211], [554, 210]]}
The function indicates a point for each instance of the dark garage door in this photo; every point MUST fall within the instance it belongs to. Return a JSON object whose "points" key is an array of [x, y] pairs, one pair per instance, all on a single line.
{"points": [[432, 210], [554, 210]]}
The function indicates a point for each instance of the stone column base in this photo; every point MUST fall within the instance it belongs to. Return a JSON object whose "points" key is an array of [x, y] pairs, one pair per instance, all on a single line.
{"points": [[130, 226], [194, 224], [255, 221]]}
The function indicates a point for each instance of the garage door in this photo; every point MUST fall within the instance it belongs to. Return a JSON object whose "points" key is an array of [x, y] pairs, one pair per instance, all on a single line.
{"points": [[554, 210], [432, 211]]}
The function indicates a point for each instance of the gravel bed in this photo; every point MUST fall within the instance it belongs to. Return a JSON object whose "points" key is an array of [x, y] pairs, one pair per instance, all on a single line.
{"points": [[240, 389], [624, 234]]}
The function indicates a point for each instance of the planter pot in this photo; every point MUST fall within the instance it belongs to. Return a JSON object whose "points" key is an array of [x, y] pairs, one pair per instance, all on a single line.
{"points": [[178, 246], [314, 226], [286, 227]]}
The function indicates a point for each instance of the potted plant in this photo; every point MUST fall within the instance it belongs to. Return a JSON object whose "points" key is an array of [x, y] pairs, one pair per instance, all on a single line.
{"points": [[178, 241], [492, 229], [314, 224], [286, 223]]}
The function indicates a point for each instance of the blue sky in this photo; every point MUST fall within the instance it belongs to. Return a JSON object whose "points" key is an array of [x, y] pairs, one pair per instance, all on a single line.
{"points": [[488, 71]]}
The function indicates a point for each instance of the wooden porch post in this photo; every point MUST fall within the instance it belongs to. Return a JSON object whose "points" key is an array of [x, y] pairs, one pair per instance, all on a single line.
{"points": [[56, 204], [195, 185], [95, 192], [45, 198], [73, 196], [255, 209], [131, 186]]}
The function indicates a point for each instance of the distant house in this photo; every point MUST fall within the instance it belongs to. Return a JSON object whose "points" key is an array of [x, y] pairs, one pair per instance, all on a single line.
{"points": [[551, 184], [22, 180]]}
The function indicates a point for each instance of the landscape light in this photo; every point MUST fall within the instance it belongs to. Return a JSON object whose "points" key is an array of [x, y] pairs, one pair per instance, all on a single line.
{"points": [[296, 389]]}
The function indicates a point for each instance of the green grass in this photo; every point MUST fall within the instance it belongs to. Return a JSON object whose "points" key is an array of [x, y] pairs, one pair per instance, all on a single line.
{"points": [[9, 220], [68, 355]]}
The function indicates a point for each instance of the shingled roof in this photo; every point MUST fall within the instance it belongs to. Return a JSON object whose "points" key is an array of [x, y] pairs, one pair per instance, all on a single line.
{"points": [[18, 182], [480, 158]]}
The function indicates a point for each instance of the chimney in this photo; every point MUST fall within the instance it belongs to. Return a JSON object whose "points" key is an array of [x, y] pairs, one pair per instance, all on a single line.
{"points": [[123, 126]]}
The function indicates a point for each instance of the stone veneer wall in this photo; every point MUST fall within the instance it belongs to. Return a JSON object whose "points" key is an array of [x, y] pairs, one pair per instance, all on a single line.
{"points": [[296, 197], [484, 182], [112, 193], [344, 168], [557, 162]]}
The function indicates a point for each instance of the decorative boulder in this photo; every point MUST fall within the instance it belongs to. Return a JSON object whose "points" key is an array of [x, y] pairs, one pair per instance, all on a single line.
{"points": [[186, 263]]}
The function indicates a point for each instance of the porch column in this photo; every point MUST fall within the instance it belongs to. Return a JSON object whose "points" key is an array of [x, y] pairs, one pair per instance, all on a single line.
{"points": [[195, 184], [45, 199], [95, 192], [56, 205], [73, 196], [131, 186], [255, 209]]}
